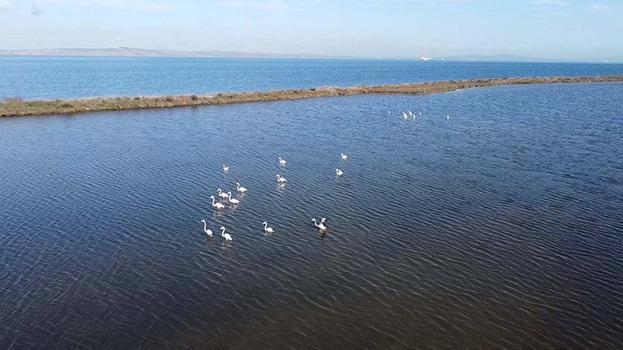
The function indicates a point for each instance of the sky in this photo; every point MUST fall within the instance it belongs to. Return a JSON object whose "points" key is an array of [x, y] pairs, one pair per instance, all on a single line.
{"points": [[550, 29]]}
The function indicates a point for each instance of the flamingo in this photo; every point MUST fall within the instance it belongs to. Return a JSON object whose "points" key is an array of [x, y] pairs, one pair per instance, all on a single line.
{"points": [[321, 226], [233, 201], [222, 194], [225, 167], [240, 188], [217, 205], [266, 228], [339, 172], [343, 156], [206, 229], [227, 236], [282, 161], [281, 179]]}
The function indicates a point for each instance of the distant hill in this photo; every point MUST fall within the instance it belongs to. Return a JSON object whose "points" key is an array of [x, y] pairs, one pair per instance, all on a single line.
{"points": [[135, 52]]}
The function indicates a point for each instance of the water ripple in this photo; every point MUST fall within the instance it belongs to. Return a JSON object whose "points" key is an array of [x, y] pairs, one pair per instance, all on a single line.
{"points": [[499, 227]]}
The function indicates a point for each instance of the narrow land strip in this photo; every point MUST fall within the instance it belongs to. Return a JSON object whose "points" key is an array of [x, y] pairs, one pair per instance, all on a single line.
{"points": [[14, 107]]}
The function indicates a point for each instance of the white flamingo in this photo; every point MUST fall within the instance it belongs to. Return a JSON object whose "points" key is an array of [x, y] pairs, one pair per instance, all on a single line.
{"points": [[206, 229], [240, 188], [321, 226], [216, 205], [266, 228], [222, 194], [227, 236], [339, 172], [225, 167], [233, 201], [282, 161], [281, 179], [343, 156]]}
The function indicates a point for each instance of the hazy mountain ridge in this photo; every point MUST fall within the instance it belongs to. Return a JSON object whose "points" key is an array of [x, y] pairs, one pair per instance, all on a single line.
{"points": [[136, 52]]}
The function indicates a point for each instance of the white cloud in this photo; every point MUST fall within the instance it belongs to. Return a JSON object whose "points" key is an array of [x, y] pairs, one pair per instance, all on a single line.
{"points": [[132, 5], [552, 8], [551, 3], [265, 5], [4, 5], [599, 7], [35, 10]]}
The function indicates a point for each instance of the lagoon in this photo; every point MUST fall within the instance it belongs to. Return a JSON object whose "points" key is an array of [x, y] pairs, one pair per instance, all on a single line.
{"points": [[499, 226]]}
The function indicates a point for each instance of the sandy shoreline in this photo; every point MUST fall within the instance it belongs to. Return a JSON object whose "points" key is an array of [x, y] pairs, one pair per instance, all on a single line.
{"points": [[16, 107]]}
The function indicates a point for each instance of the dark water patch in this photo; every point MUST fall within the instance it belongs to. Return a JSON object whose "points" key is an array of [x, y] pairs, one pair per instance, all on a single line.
{"points": [[497, 227]]}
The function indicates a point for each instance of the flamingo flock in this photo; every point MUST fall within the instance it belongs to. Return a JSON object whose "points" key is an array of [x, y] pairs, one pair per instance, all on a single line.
{"points": [[226, 199], [408, 115]]}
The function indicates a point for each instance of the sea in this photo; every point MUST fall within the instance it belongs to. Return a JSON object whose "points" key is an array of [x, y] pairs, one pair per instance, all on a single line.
{"points": [[488, 218]]}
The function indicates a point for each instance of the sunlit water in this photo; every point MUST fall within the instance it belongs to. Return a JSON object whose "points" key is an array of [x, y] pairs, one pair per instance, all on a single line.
{"points": [[500, 226], [70, 77]]}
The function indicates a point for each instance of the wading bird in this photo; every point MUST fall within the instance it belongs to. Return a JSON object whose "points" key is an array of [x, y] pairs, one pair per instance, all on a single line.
{"points": [[227, 236], [321, 225], [216, 205], [266, 228], [206, 229], [240, 188], [233, 201]]}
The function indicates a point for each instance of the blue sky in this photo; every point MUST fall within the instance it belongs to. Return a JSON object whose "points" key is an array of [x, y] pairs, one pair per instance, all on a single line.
{"points": [[552, 29]]}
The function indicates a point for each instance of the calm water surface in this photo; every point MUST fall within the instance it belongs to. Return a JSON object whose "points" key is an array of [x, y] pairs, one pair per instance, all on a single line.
{"points": [[498, 227], [70, 77]]}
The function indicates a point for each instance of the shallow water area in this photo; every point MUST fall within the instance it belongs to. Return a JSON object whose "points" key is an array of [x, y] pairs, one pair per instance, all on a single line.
{"points": [[491, 220]]}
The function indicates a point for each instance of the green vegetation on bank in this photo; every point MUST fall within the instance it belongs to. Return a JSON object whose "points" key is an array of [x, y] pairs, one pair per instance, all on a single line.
{"points": [[13, 107]]}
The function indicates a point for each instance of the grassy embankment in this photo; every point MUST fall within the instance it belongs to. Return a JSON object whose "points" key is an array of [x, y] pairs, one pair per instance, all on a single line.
{"points": [[14, 107]]}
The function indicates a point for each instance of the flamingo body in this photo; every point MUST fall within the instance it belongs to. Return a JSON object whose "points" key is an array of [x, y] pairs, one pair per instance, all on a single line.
{"points": [[267, 229], [240, 188], [206, 229], [227, 236], [217, 205], [321, 226]]}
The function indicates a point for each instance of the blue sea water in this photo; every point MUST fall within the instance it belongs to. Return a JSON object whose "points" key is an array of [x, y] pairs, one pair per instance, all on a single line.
{"points": [[493, 220], [71, 77]]}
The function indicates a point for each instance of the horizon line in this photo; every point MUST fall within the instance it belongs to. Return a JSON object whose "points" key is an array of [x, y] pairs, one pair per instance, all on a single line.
{"points": [[126, 51]]}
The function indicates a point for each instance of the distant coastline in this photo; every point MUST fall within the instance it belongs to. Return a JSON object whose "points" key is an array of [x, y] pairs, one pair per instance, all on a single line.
{"points": [[13, 107], [136, 52], [130, 52]]}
